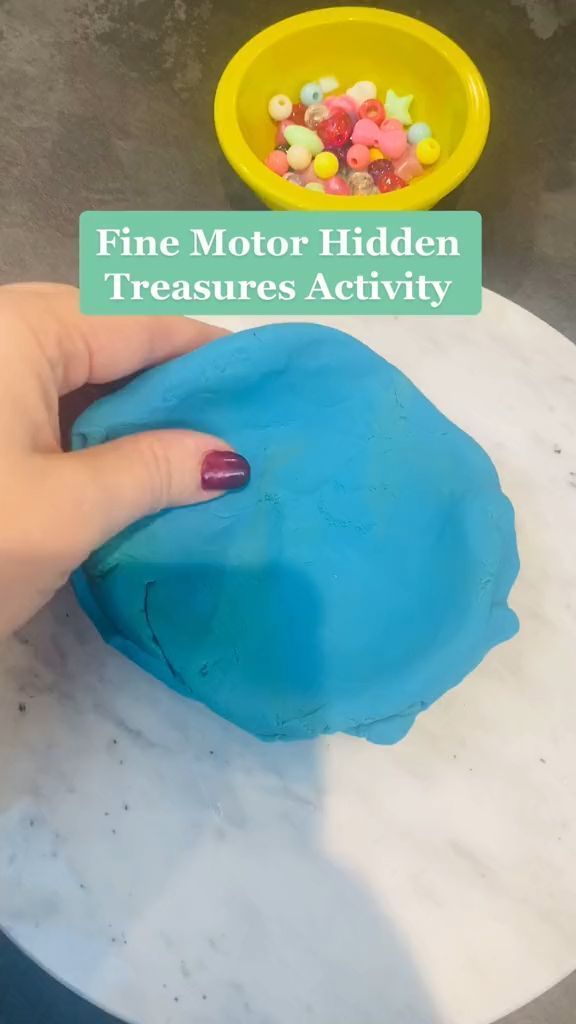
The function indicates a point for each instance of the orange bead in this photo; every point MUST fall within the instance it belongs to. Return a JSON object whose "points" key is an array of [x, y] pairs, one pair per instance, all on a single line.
{"points": [[277, 161], [376, 154]]}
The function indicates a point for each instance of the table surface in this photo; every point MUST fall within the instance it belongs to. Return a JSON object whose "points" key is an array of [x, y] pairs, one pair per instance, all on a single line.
{"points": [[170, 867]]}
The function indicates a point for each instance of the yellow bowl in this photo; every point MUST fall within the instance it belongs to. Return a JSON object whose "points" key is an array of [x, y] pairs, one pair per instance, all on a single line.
{"points": [[353, 43]]}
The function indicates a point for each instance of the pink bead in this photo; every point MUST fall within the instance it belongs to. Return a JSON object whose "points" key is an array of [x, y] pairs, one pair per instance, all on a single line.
{"points": [[408, 166], [358, 157], [391, 125], [393, 143], [337, 186], [277, 161], [346, 103], [366, 133]]}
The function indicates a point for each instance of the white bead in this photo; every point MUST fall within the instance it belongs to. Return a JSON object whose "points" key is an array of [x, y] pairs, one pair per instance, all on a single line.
{"points": [[362, 91], [280, 107], [328, 84], [299, 158]]}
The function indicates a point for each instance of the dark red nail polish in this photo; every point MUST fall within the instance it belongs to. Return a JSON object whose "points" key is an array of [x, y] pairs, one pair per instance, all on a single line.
{"points": [[224, 471]]}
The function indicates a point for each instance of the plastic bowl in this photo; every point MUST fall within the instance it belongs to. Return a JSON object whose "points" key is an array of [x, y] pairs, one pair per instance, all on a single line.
{"points": [[353, 43]]}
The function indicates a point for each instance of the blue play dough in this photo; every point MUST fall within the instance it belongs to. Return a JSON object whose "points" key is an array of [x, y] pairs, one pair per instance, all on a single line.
{"points": [[364, 570]]}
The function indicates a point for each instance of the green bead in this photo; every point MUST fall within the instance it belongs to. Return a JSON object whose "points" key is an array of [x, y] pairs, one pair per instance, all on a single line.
{"points": [[298, 135], [397, 107]]}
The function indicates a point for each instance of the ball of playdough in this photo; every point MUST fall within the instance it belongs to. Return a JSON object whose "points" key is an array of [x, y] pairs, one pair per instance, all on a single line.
{"points": [[364, 570]]}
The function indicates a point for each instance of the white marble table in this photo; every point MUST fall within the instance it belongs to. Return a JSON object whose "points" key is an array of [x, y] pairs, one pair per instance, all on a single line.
{"points": [[177, 871]]}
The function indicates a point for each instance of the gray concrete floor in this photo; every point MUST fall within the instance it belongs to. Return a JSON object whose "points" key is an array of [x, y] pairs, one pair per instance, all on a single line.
{"points": [[108, 104]]}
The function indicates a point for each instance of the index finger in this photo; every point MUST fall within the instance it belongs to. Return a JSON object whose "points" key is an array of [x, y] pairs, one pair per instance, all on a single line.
{"points": [[84, 349]]}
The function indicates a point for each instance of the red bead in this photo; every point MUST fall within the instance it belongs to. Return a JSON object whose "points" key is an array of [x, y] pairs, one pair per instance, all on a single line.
{"points": [[390, 182], [298, 112], [296, 117], [280, 140], [380, 168], [372, 109], [335, 130]]}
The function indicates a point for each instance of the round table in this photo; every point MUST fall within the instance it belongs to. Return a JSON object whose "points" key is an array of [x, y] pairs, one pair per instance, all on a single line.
{"points": [[174, 869]]}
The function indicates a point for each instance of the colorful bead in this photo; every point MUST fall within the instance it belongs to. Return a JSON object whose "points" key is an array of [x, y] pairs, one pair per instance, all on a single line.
{"points": [[277, 161], [311, 93], [390, 183], [366, 133], [351, 143], [398, 106], [362, 91], [315, 114], [298, 135], [343, 103], [408, 166], [362, 184], [326, 164], [294, 179], [337, 186], [358, 157], [335, 130], [298, 113], [393, 143], [280, 107], [309, 174], [428, 151], [391, 125], [328, 84], [280, 137], [379, 168], [418, 131], [373, 110], [298, 157], [341, 152]]}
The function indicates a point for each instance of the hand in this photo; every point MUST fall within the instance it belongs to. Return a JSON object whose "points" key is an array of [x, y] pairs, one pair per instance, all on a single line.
{"points": [[55, 506]]}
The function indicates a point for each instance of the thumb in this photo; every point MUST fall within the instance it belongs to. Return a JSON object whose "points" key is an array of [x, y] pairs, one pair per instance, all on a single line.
{"points": [[112, 485]]}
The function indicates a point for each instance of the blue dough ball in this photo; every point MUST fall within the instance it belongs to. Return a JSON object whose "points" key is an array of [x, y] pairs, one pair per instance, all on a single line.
{"points": [[364, 570]]}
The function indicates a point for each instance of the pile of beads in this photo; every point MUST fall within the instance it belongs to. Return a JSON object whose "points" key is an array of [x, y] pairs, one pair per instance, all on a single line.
{"points": [[350, 143]]}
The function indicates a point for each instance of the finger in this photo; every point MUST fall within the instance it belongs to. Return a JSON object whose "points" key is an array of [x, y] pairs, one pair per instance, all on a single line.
{"points": [[73, 404], [109, 486], [83, 349]]}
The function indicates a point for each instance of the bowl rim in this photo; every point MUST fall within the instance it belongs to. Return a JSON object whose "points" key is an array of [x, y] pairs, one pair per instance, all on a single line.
{"points": [[422, 194]]}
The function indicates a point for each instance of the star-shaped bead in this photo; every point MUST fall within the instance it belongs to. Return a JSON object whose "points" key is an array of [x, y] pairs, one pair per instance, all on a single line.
{"points": [[397, 107]]}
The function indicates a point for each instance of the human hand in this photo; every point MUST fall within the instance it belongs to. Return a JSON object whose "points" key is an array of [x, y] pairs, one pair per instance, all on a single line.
{"points": [[55, 506]]}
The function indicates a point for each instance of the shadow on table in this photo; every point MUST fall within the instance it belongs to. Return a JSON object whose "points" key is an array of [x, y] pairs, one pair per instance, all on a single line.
{"points": [[223, 829]]}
